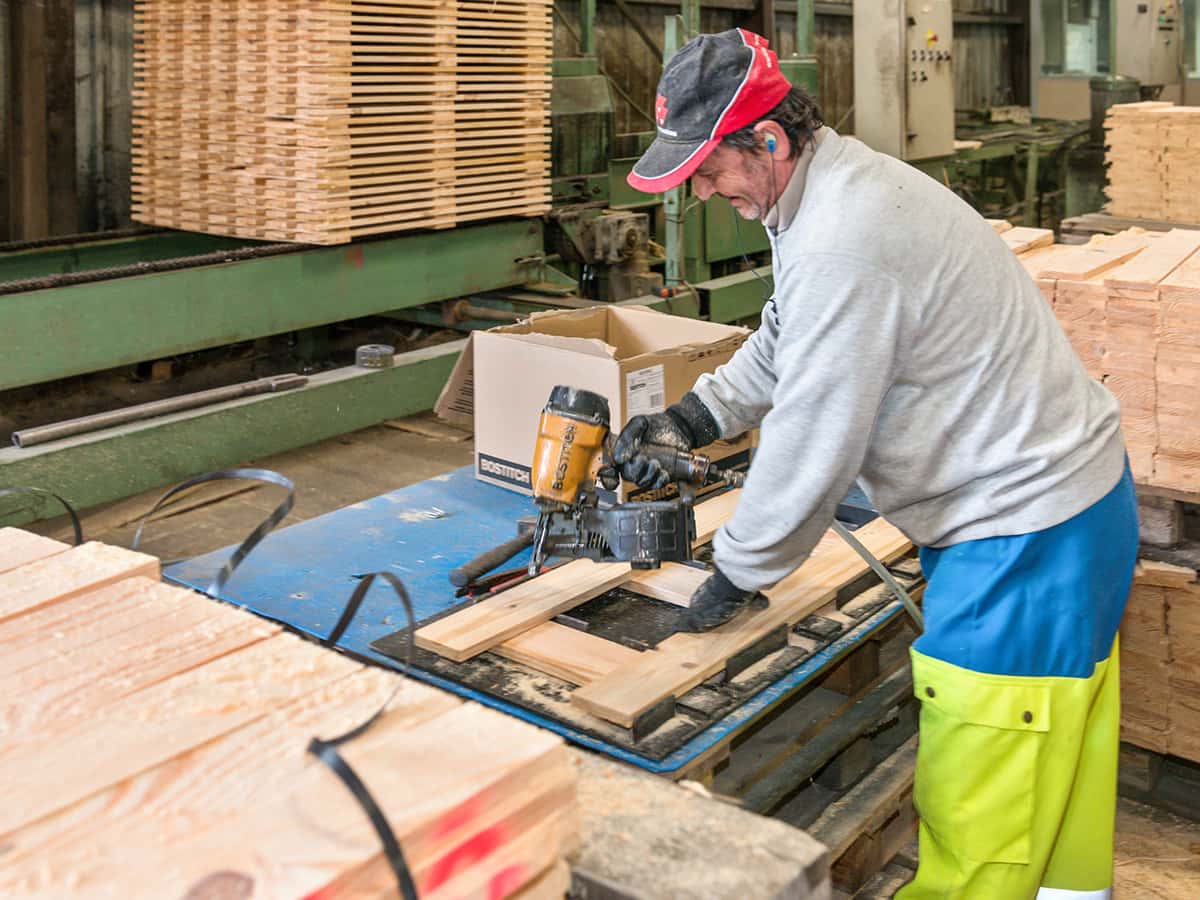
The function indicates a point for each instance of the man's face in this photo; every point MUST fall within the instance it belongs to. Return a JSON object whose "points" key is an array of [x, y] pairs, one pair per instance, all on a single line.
{"points": [[742, 178]]}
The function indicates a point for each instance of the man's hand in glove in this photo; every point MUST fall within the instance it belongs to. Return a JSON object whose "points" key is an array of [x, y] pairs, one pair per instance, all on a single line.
{"points": [[684, 426], [717, 601]]}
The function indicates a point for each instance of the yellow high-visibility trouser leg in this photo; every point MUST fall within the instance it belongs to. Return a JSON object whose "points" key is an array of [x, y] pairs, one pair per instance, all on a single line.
{"points": [[1016, 784]]}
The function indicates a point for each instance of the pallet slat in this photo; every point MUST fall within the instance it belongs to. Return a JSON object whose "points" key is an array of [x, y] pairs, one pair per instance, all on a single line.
{"points": [[684, 660]]}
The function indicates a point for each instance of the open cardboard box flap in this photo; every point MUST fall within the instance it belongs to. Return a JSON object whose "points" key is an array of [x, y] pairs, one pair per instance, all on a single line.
{"points": [[625, 333]]}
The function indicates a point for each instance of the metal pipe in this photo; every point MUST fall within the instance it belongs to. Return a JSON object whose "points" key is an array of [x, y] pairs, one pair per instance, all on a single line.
{"points": [[675, 34], [43, 434], [690, 10], [587, 27], [806, 14], [464, 310]]}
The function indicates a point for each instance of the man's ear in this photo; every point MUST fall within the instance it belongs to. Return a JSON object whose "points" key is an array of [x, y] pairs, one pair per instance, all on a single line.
{"points": [[773, 139]]}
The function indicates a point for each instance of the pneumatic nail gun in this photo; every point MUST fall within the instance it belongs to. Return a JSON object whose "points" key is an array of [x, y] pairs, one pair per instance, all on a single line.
{"points": [[572, 460]]}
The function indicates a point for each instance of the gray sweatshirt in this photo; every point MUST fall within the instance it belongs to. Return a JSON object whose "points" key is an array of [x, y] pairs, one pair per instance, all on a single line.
{"points": [[905, 348]]}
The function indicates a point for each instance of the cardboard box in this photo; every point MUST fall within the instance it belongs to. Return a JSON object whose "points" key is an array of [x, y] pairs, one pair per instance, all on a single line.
{"points": [[641, 360]]}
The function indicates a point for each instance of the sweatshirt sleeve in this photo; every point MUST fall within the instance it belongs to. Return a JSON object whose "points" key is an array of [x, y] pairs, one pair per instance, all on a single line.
{"points": [[836, 350], [738, 394]]}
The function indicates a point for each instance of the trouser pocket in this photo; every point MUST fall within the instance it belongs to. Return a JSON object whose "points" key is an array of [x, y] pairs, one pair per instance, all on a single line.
{"points": [[977, 765]]}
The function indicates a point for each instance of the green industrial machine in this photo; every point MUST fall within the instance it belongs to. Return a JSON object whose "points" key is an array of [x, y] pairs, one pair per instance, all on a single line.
{"points": [[112, 302]]}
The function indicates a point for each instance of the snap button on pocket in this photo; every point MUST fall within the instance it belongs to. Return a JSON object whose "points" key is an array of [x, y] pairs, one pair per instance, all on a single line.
{"points": [[930, 692], [1028, 717]]}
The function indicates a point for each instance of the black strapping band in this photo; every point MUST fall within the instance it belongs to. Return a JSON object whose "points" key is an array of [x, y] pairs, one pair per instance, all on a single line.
{"points": [[252, 540], [42, 492], [326, 751]]}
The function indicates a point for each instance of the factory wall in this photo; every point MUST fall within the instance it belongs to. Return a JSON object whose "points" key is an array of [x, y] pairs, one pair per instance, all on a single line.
{"points": [[990, 44], [66, 76]]}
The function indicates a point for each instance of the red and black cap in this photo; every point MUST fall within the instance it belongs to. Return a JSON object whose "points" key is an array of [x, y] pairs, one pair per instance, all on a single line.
{"points": [[713, 86]]}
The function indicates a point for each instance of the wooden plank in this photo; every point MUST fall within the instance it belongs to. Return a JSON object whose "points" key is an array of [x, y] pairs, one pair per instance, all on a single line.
{"points": [[567, 653], [211, 782], [68, 574], [462, 780], [145, 729], [1000, 225], [1098, 255], [18, 547], [107, 645], [496, 619], [1162, 256], [480, 627], [1022, 238], [552, 884], [673, 583], [684, 660]]}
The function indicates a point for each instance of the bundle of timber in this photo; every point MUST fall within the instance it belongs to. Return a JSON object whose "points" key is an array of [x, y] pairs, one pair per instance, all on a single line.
{"points": [[1160, 661], [1130, 306], [154, 745], [1153, 154], [326, 120]]}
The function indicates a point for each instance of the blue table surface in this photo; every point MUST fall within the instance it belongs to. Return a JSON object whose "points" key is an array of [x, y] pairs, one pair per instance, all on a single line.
{"points": [[303, 575]]}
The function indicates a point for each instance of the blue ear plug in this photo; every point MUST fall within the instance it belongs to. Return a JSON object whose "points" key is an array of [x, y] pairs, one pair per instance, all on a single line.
{"points": [[770, 143]]}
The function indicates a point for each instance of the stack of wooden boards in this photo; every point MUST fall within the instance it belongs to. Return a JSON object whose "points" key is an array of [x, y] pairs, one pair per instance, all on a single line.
{"points": [[620, 684], [1130, 306], [326, 120], [153, 744], [1160, 661], [1153, 158]]}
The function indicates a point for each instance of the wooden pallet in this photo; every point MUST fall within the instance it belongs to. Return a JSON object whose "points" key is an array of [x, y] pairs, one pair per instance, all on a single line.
{"points": [[618, 684], [1160, 661], [325, 120], [869, 825], [155, 745]]}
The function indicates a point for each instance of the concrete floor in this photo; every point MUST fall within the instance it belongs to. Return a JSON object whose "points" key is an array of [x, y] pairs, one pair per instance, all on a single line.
{"points": [[1157, 854]]}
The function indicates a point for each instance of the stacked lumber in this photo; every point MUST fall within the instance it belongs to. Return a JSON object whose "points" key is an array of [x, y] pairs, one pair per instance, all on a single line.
{"points": [[1160, 661], [1129, 304], [1177, 463], [1134, 159], [1153, 153], [616, 683], [326, 120], [154, 745]]}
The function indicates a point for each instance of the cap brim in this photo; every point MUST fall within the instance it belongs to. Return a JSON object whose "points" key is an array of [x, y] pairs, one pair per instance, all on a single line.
{"points": [[668, 164]]}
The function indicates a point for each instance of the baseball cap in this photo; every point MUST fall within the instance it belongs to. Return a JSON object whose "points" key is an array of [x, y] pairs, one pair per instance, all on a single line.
{"points": [[714, 85]]}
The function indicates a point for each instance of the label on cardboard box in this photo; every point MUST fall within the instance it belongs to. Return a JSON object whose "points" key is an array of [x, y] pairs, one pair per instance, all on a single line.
{"points": [[645, 391]]}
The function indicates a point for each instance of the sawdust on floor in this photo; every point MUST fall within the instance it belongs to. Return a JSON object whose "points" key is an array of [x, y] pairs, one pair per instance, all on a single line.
{"points": [[1157, 854]]}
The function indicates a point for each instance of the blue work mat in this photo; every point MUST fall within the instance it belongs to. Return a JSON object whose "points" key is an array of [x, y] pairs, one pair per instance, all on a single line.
{"points": [[304, 574]]}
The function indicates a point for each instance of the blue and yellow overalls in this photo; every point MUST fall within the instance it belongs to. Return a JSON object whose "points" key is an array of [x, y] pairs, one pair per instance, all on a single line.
{"points": [[1017, 674]]}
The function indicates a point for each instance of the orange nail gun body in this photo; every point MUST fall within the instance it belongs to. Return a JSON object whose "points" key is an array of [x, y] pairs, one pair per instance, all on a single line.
{"points": [[571, 458]]}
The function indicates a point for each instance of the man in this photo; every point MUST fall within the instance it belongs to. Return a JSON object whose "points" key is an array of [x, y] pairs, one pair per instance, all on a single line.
{"points": [[906, 348]]}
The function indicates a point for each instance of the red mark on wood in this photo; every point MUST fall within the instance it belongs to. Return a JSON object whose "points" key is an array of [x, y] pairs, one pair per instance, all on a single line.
{"points": [[466, 854], [507, 881], [459, 817]]}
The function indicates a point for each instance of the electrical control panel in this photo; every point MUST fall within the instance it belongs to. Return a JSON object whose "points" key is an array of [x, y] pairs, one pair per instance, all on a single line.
{"points": [[904, 76], [1149, 38]]}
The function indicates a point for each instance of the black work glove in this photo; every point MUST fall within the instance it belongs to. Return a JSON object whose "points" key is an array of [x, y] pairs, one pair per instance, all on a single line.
{"points": [[685, 426], [717, 601]]}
